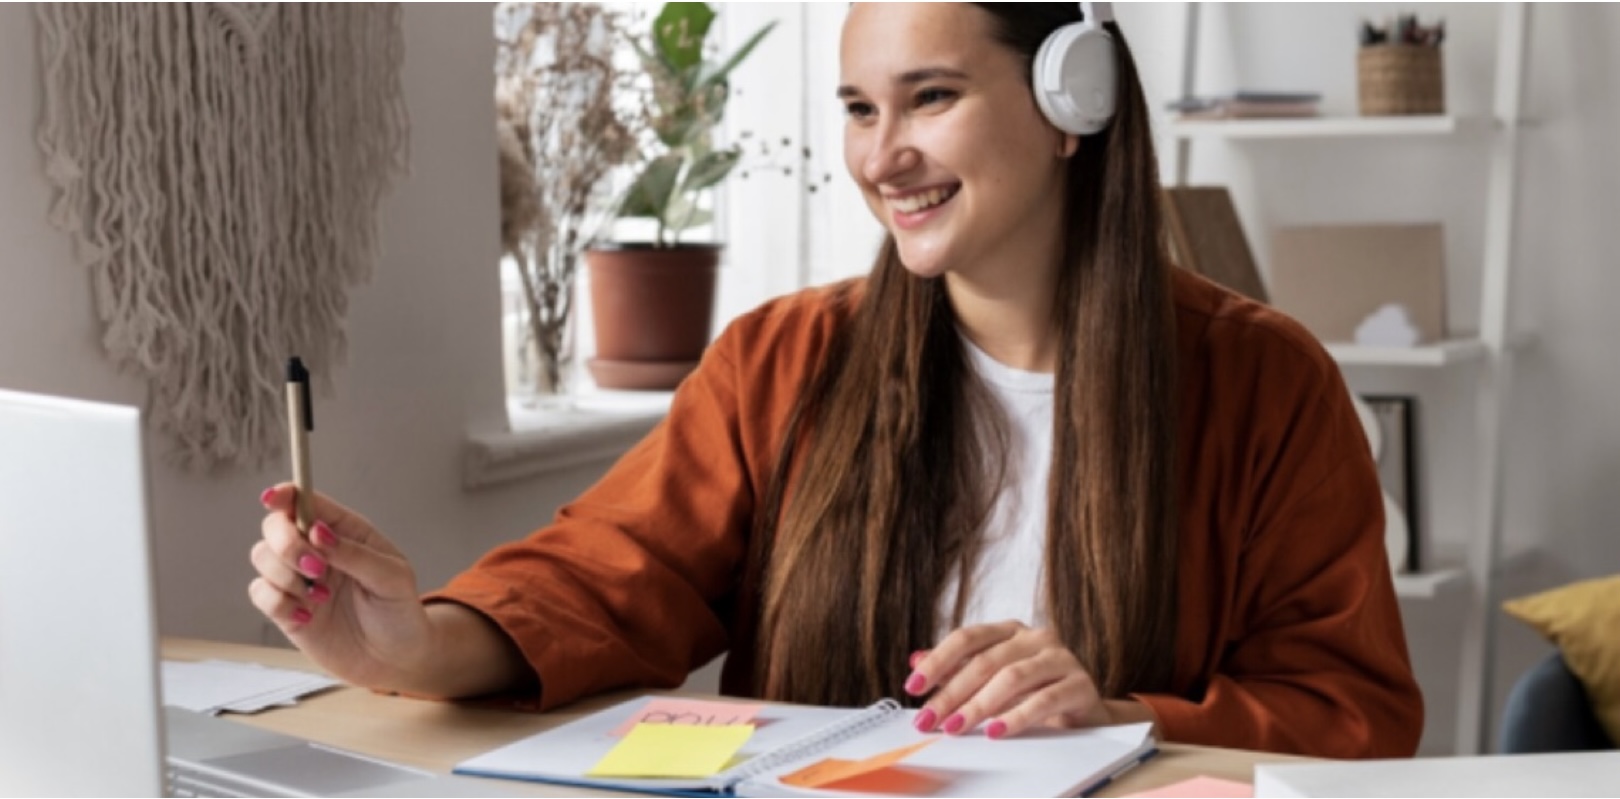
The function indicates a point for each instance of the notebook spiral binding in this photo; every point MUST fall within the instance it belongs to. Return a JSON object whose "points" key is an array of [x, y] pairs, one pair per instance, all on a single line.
{"points": [[812, 742]]}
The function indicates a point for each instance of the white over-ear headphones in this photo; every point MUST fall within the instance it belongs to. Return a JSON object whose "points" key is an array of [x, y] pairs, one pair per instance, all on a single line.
{"points": [[1075, 73]]}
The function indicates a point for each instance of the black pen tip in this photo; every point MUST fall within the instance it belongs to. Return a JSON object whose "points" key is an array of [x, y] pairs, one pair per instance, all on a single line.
{"points": [[296, 373]]}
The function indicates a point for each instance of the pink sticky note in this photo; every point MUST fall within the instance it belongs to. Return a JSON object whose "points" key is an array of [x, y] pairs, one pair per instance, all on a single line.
{"points": [[1204, 788], [695, 712]]}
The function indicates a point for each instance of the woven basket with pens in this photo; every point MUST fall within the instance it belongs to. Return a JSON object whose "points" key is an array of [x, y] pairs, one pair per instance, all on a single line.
{"points": [[1399, 69], [1394, 79]]}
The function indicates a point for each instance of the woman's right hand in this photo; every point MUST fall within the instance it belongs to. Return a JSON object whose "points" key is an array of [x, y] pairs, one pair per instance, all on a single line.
{"points": [[359, 615]]}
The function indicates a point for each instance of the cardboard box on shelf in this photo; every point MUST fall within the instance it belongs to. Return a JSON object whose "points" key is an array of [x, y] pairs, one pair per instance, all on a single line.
{"points": [[1375, 285]]}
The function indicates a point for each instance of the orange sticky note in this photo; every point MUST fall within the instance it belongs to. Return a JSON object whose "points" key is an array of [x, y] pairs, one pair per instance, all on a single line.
{"points": [[830, 770], [690, 712], [1204, 787]]}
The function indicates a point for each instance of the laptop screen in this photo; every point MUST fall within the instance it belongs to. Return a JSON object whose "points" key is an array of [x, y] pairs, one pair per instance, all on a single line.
{"points": [[79, 710]]}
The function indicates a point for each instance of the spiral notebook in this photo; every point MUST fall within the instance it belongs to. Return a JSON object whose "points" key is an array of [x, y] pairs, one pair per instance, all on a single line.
{"points": [[787, 739]]}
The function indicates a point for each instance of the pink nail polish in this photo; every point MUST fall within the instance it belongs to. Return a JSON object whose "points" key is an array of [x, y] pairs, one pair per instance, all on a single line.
{"points": [[322, 535], [319, 594], [925, 720], [302, 616], [916, 657], [997, 729], [311, 566], [955, 723], [269, 494], [916, 684]]}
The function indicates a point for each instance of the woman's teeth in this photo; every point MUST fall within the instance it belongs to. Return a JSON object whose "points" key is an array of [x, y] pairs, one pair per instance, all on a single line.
{"points": [[922, 200]]}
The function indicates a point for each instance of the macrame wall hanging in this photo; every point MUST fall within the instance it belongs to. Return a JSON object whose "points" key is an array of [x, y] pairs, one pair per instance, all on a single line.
{"points": [[219, 167]]}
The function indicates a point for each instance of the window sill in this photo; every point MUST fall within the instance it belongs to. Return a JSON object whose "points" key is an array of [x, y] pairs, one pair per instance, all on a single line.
{"points": [[600, 427]]}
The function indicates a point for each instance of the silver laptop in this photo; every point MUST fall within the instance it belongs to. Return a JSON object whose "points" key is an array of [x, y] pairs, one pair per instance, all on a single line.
{"points": [[79, 681]]}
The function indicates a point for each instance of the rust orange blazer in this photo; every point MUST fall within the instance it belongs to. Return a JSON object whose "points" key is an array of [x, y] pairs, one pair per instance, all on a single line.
{"points": [[1290, 636]]}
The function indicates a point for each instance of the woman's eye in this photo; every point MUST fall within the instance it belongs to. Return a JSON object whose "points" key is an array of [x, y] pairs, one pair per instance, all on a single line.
{"points": [[930, 96], [858, 110]]}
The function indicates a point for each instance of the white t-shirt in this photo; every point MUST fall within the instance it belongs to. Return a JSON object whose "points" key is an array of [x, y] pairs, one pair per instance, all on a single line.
{"points": [[1009, 576]]}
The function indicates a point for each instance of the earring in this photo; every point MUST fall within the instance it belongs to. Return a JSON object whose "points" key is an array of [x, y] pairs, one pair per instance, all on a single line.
{"points": [[1070, 145]]}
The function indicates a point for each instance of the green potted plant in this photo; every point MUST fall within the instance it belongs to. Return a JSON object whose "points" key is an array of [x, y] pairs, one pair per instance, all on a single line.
{"points": [[653, 301]]}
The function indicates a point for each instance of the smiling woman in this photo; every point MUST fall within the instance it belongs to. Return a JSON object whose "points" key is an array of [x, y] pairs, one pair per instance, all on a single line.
{"points": [[954, 157], [1024, 473]]}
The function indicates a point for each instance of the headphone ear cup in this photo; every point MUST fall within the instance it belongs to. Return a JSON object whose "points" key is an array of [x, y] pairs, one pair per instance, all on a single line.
{"points": [[1075, 78]]}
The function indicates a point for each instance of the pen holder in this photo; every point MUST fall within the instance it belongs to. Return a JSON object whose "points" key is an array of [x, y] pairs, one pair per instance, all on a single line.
{"points": [[1400, 79]]}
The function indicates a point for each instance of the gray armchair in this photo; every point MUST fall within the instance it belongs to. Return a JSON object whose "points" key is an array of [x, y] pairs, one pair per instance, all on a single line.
{"points": [[1548, 710]]}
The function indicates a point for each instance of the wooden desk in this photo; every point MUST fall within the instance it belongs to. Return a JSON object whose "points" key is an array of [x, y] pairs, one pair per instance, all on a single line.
{"points": [[438, 735]]}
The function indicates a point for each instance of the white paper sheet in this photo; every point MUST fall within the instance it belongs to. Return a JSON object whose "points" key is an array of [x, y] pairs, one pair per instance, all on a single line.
{"points": [[215, 686]]}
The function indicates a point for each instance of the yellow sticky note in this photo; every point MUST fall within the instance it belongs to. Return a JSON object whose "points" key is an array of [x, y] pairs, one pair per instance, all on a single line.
{"points": [[831, 770], [673, 750]]}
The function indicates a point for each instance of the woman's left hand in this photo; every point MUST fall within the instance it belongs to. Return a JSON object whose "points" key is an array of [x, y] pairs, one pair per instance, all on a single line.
{"points": [[1012, 678]]}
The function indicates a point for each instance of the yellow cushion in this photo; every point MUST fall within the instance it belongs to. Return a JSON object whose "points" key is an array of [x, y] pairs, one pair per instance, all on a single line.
{"points": [[1583, 620]]}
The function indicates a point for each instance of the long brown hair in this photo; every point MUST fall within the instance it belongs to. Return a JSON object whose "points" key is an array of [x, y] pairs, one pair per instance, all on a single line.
{"points": [[880, 488]]}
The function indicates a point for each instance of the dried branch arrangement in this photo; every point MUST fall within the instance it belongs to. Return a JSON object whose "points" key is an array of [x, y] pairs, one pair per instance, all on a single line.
{"points": [[563, 125]]}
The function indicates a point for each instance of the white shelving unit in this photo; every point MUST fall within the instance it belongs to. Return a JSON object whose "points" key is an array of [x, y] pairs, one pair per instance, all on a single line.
{"points": [[1431, 584], [1445, 353], [1488, 354], [1329, 127]]}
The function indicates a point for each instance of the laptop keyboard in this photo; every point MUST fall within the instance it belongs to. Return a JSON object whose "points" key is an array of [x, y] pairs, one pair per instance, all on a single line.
{"points": [[178, 780], [300, 769]]}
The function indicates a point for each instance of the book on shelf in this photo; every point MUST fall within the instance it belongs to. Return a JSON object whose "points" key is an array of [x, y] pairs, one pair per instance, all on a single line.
{"points": [[1377, 285], [1249, 105], [792, 750], [1280, 98]]}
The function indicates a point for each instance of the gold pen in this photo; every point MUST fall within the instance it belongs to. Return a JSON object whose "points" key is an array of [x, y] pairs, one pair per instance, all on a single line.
{"points": [[300, 423]]}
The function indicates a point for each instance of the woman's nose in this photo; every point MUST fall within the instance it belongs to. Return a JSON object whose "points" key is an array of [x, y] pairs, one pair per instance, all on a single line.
{"points": [[891, 155]]}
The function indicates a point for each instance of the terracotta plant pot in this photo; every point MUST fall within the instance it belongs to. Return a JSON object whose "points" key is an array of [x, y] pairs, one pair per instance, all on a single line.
{"points": [[653, 309]]}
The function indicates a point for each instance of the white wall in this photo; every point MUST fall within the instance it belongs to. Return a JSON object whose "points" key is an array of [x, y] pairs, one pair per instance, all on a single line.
{"points": [[423, 365]]}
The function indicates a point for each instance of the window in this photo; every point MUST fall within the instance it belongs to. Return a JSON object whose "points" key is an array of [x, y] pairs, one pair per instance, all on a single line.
{"points": [[779, 235]]}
